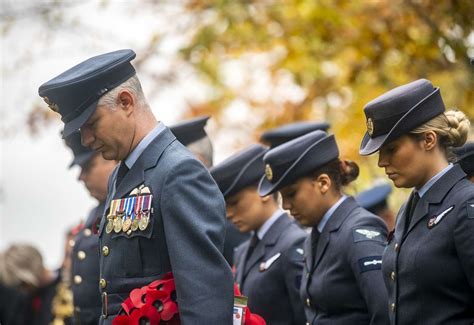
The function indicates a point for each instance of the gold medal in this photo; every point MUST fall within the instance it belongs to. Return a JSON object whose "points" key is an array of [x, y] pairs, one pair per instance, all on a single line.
{"points": [[118, 224], [126, 224], [134, 225], [110, 225]]}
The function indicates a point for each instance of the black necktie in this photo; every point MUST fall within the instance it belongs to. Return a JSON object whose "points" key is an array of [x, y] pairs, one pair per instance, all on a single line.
{"points": [[123, 169], [411, 208], [314, 242], [253, 243]]}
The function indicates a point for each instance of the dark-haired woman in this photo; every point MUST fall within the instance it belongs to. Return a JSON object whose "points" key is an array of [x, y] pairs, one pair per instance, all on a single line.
{"points": [[342, 281], [428, 265]]}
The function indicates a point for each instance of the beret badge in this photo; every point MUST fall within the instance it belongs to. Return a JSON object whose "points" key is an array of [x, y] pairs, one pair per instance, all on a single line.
{"points": [[53, 106], [268, 172], [370, 126]]}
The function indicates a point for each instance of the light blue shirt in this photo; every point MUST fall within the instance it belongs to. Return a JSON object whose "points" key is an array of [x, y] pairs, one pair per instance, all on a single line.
{"points": [[133, 156], [422, 191], [329, 214], [270, 221]]}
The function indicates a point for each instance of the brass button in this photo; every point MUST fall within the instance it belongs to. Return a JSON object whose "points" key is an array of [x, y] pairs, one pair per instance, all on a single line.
{"points": [[129, 232], [102, 283], [87, 232], [392, 306], [71, 243], [308, 302], [105, 251], [392, 276], [77, 279], [396, 247], [81, 255]]}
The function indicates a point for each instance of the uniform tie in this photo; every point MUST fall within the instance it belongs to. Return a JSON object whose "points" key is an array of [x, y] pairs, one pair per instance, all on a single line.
{"points": [[411, 208], [123, 169], [315, 234], [253, 243]]}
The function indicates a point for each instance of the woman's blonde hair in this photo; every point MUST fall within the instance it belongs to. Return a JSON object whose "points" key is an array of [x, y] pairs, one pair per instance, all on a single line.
{"points": [[21, 264], [452, 128]]}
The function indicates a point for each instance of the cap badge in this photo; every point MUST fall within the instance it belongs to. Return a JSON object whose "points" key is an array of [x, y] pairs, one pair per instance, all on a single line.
{"points": [[370, 126], [53, 106], [268, 172]]}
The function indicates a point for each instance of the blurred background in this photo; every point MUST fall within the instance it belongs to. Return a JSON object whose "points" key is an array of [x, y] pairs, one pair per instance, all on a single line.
{"points": [[251, 65]]}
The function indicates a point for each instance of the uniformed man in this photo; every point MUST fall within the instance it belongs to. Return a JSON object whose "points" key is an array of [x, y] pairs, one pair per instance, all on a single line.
{"points": [[465, 158], [164, 213], [375, 200], [95, 172], [192, 134], [268, 266], [279, 135]]}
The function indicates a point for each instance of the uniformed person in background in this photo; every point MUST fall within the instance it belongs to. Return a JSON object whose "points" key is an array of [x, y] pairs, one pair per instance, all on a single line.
{"points": [[95, 172], [281, 134], [164, 213], [192, 134], [22, 269], [428, 265], [375, 200], [342, 279], [268, 266], [465, 158]]}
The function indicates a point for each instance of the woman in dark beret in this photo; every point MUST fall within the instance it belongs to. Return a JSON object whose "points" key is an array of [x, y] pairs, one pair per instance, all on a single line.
{"points": [[428, 265], [342, 280]]}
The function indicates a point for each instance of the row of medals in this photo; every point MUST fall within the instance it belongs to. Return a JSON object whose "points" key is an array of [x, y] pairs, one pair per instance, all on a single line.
{"points": [[141, 210]]}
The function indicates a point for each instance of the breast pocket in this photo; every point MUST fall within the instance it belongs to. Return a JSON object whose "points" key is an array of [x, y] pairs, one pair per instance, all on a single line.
{"points": [[135, 254]]}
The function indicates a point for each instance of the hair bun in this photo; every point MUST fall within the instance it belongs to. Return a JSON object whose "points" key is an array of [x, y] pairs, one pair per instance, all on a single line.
{"points": [[349, 171], [458, 130]]}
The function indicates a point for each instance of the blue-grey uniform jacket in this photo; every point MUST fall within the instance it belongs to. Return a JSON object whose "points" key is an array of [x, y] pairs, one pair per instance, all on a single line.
{"points": [[344, 284], [85, 271], [429, 270], [272, 275], [185, 236]]}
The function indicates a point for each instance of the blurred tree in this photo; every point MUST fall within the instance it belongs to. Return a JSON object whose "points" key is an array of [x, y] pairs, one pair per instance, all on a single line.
{"points": [[305, 59]]}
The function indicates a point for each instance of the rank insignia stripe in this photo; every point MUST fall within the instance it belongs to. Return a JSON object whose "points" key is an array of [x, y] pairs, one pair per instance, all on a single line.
{"points": [[364, 234], [432, 222], [370, 263]]}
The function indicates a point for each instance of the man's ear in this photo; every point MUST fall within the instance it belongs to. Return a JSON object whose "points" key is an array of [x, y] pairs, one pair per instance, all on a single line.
{"points": [[126, 101], [430, 140]]}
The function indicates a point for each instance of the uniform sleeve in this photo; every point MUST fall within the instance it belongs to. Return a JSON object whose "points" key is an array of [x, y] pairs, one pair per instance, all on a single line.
{"points": [[464, 240], [293, 271], [193, 213], [365, 257]]}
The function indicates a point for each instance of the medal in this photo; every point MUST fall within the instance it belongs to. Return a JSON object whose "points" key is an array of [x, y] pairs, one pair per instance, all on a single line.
{"points": [[145, 213], [110, 218], [118, 219], [136, 213], [127, 222]]}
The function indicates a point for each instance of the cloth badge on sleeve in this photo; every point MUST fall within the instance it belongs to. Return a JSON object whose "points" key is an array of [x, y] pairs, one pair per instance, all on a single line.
{"points": [[470, 210], [363, 234], [370, 263], [437, 219]]}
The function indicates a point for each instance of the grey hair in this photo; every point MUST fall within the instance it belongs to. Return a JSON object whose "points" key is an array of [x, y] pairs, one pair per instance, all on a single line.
{"points": [[133, 85], [203, 150], [21, 264]]}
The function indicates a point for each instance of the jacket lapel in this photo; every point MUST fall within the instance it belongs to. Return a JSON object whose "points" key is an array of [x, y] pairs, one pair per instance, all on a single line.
{"points": [[308, 251], [148, 159], [269, 240], [334, 223], [436, 194], [241, 263]]}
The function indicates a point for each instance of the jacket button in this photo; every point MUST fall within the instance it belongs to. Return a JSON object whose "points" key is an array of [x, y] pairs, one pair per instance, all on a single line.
{"points": [[392, 307], [392, 276], [395, 247], [87, 232], [308, 302], [71, 243], [102, 283], [105, 250], [77, 279], [81, 255]]}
